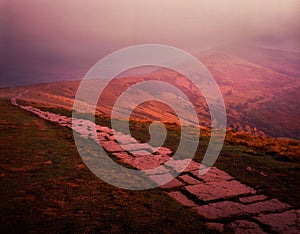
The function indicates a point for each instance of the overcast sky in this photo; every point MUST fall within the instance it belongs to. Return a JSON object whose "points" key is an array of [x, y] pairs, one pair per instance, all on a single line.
{"points": [[52, 40]]}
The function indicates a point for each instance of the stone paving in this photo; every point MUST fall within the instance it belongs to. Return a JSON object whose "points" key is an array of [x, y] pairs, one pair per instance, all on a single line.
{"points": [[225, 203]]}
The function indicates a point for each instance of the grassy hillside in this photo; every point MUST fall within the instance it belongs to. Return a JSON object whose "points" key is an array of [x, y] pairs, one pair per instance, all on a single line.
{"points": [[46, 186], [268, 164]]}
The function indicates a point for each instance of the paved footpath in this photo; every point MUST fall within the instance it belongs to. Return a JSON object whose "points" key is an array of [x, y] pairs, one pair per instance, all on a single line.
{"points": [[226, 204]]}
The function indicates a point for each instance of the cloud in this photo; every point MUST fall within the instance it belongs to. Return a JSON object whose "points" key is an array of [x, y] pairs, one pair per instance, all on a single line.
{"points": [[69, 36]]}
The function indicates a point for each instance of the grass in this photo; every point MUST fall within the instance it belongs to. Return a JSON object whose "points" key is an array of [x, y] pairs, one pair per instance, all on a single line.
{"points": [[45, 187], [270, 165]]}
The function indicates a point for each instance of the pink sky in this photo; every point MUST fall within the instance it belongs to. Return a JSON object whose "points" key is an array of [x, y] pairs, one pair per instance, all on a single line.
{"points": [[50, 40]]}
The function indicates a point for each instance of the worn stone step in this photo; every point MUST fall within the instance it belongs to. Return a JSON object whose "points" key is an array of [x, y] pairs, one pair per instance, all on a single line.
{"points": [[285, 222], [227, 209], [218, 189], [245, 227]]}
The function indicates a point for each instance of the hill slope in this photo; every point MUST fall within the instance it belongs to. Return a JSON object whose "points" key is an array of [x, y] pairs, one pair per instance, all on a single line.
{"points": [[261, 96]]}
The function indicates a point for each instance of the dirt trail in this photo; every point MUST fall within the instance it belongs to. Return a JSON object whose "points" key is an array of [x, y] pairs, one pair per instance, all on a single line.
{"points": [[220, 199]]}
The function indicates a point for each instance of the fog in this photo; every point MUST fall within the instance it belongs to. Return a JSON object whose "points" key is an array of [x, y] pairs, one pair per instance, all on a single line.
{"points": [[53, 40]]}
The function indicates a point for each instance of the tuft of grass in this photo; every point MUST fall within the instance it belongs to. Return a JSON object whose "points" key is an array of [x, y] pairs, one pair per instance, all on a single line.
{"points": [[280, 149]]}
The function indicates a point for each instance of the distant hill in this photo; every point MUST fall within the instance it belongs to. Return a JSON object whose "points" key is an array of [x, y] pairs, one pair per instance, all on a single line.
{"points": [[261, 89]]}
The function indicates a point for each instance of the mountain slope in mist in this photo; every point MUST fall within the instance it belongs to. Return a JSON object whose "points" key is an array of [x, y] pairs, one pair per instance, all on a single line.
{"points": [[260, 91]]}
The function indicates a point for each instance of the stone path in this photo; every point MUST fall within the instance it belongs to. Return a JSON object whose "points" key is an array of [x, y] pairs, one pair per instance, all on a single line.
{"points": [[225, 203]]}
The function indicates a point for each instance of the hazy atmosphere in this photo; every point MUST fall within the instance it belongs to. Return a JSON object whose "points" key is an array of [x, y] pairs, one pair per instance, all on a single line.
{"points": [[150, 116], [45, 41]]}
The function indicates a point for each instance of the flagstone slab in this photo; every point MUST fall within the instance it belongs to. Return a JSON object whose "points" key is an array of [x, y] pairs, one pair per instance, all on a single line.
{"points": [[148, 162], [140, 153], [103, 136], [100, 128], [245, 227], [218, 189], [163, 150], [227, 209], [215, 226], [286, 222], [124, 157], [213, 174], [190, 180], [157, 171], [111, 146], [160, 178], [181, 198], [172, 184], [125, 139], [184, 165], [138, 146], [193, 166], [252, 199]]}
